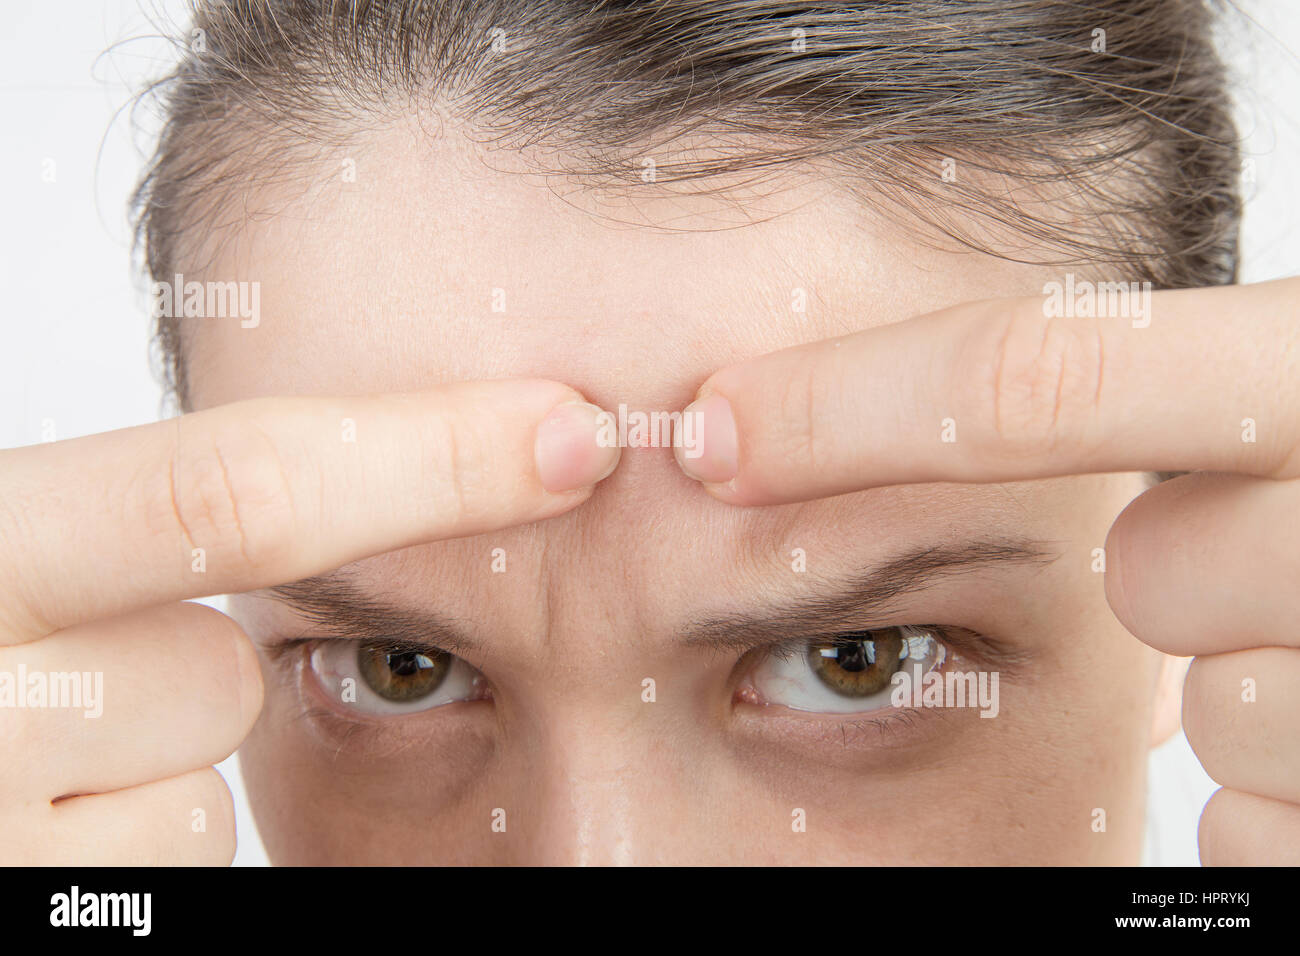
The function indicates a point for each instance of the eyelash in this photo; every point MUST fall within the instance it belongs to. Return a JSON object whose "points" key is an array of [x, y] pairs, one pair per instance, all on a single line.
{"points": [[965, 643], [282, 651], [891, 722]]}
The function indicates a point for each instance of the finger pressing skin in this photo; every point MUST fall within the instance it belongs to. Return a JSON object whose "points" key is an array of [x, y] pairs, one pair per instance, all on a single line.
{"points": [[1208, 562], [188, 820], [1240, 714], [1241, 829], [268, 491], [1002, 391], [155, 694]]}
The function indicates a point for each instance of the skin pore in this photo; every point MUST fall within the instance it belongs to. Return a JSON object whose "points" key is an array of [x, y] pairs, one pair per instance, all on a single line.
{"points": [[387, 284]]}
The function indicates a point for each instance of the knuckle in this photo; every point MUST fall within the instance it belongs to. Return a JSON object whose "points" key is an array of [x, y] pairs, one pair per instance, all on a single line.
{"points": [[455, 461], [21, 503], [1039, 377], [801, 405], [228, 493]]}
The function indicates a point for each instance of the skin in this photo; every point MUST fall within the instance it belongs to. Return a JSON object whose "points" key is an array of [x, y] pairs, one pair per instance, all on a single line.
{"points": [[96, 585], [601, 584], [1182, 556], [593, 603]]}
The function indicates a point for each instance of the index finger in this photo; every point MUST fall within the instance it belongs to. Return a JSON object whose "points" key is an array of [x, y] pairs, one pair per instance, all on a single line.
{"points": [[262, 492], [1008, 389]]}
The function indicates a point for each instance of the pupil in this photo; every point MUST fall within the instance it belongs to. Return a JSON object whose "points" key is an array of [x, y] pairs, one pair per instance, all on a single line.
{"points": [[405, 663], [853, 656], [402, 674]]}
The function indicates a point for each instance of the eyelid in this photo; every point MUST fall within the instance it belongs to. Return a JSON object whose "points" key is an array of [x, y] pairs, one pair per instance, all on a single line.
{"points": [[281, 649]]}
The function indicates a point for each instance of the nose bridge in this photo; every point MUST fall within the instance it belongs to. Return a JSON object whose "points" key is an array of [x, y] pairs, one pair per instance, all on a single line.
{"points": [[603, 780], [601, 784], [602, 808]]}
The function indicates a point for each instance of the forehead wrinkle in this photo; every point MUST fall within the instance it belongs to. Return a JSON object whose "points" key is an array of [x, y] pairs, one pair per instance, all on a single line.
{"points": [[751, 544]]}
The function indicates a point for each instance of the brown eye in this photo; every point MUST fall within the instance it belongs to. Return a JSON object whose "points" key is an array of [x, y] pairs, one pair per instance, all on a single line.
{"points": [[858, 665], [400, 675]]}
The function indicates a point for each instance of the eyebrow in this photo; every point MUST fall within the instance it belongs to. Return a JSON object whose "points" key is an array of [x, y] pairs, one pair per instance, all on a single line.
{"points": [[337, 607], [845, 604]]}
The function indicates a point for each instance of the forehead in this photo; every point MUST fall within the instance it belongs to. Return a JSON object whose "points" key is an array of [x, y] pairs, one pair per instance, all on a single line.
{"points": [[433, 261], [432, 267]]}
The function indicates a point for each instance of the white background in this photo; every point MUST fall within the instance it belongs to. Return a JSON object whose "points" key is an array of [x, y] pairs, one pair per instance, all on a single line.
{"points": [[74, 358]]}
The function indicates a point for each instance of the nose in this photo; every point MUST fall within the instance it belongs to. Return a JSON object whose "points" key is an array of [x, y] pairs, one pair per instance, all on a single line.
{"points": [[603, 792]]}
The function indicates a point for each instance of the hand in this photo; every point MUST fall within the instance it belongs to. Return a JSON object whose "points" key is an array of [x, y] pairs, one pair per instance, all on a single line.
{"points": [[1205, 564], [102, 539]]}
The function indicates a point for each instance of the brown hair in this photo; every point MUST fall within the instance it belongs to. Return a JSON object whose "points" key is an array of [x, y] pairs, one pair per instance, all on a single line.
{"points": [[1111, 115]]}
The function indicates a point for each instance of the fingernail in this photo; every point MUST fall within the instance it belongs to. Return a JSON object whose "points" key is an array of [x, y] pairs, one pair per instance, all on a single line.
{"points": [[569, 455], [714, 457]]}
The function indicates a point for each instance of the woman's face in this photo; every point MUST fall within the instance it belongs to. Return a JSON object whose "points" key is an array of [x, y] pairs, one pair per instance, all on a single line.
{"points": [[430, 267]]}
